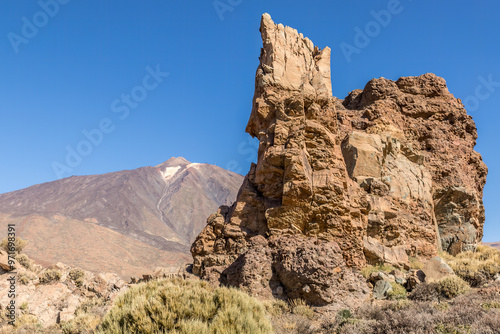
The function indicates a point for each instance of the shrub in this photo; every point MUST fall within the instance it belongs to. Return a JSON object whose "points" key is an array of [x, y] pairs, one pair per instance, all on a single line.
{"points": [[398, 292], [19, 245], [299, 307], [185, 307], [450, 329], [24, 261], [24, 306], [23, 278], [77, 275], [82, 323], [276, 307], [425, 292], [475, 267], [453, 286], [489, 305], [50, 275]]}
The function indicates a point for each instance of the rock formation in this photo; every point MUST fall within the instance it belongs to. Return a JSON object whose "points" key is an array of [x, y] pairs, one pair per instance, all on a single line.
{"points": [[386, 174]]}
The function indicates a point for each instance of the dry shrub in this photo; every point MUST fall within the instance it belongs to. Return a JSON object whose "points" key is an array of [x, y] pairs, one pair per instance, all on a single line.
{"points": [[24, 261], [19, 245], [88, 316], [300, 307], [471, 313], [475, 267], [77, 275], [426, 292], [185, 307], [50, 275], [453, 286]]}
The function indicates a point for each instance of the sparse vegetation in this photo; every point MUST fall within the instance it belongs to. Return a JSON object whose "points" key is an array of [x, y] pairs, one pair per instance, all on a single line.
{"points": [[19, 245], [24, 306], [23, 278], [77, 275], [475, 267], [398, 292], [368, 270], [24, 261], [50, 275], [299, 307], [88, 316], [416, 263], [185, 307], [453, 286]]}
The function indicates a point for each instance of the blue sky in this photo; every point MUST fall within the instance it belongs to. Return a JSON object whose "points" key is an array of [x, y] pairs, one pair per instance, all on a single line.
{"points": [[71, 71]]}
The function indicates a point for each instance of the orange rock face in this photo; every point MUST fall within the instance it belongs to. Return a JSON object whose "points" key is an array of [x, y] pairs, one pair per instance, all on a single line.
{"points": [[389, 172]]}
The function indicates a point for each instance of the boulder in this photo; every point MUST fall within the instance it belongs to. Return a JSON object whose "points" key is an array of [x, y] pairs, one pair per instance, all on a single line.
{"points": [[436, 269], [381, 289]]}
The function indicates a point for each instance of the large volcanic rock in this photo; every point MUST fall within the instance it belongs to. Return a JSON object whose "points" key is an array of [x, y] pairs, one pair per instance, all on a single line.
{"points": [[389, 172]]}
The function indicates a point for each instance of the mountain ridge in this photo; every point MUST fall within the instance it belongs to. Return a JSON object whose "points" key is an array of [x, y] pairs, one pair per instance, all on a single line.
{"points": [[162, 206]]}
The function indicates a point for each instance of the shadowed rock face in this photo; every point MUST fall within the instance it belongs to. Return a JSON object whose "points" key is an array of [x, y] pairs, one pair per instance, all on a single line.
{"points": [[389, 172]]}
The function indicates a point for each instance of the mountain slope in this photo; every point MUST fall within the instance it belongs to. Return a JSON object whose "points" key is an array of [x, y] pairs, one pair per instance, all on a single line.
{"points": [[493, 244], [158, 208]]}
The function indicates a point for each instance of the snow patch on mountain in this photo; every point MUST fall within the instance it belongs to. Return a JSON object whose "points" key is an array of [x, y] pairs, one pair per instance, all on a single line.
{"points": [[169, 172]]}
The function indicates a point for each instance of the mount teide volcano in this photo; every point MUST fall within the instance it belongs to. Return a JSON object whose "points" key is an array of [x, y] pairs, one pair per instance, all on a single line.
{"points": [[127, 222]]}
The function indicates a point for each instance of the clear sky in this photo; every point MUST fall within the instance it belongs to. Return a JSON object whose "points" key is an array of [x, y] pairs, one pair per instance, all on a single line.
{"points": [[147, 80]]}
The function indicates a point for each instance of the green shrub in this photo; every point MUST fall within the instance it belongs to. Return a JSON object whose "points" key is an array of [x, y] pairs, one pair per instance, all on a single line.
{"points": [[179, 306], [453, 286], [398, 292], [24, 261], [50, 275]]}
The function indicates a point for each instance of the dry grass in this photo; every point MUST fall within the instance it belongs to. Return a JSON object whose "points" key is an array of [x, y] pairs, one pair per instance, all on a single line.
{"points": [[475, 267]]}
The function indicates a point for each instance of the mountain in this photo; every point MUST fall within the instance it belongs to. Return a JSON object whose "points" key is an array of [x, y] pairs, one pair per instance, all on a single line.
{"points": [[124, 222], [493, 244]]}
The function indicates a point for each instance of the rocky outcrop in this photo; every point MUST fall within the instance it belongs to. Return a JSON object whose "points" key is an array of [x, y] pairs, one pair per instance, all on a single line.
{"points": [[388, 173], [53, 295]]}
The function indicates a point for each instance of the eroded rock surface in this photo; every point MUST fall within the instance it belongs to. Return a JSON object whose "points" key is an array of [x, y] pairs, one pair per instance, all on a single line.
{"points": [[388, 173]]}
